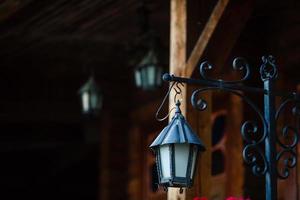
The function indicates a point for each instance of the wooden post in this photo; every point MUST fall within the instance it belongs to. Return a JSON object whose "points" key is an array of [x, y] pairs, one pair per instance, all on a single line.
{"points": [[135, 166], [200, 121], [234, 147], [104, 155], [177, 63]]}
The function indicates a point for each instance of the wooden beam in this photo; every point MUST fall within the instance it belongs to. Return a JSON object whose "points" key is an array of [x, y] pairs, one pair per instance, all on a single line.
{"points": [[178, 37], [177, 63], [221, 45], [205, 36], [10, 7], [234, 147], [135, 184], [201, 123], [105, 172]]}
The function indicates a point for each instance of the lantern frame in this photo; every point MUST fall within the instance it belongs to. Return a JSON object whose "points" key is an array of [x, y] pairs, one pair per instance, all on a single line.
{"points": [[178, 131], [142, 71], [91, 88]]}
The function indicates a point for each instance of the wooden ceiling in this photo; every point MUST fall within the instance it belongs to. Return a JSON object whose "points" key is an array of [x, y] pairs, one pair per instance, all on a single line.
{"points": [[48, 46]]}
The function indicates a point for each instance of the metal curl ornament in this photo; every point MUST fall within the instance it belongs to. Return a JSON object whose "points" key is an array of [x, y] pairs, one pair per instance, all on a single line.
{"points": [[289, 162], [296, 111], [248, 130], [283, 105], [268, 69], [285, 133], [252, 154], [238, 64]]}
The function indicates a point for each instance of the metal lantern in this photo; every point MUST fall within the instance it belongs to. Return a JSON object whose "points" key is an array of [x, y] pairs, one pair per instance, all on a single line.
{"points": [[148, 72], [91, 98], [176, 149]]}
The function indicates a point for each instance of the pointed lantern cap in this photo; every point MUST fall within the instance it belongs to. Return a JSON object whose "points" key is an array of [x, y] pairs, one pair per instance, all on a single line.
{"points": [[90, 85], [178, 131]]}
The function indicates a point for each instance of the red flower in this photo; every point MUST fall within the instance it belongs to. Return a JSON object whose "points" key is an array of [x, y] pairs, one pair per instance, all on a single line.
{"points": [[236, 198], [228, 198], [200, 198]]}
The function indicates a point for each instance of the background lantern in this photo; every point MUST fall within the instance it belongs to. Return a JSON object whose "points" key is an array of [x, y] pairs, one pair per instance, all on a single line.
{"points": [[148, 72], [91, 98], [176, 149]]}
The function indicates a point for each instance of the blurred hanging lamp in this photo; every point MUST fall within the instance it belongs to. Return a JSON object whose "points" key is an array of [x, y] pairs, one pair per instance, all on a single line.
{"points": [[91, 97], [148, 71]]}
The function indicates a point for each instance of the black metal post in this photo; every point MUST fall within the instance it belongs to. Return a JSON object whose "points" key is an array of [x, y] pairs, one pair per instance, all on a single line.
{"points": [[270, 141]]}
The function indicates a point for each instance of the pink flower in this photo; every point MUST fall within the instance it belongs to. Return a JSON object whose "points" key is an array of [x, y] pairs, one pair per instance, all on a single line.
{"points": [[228, 198], [236, 198], [200, 198]]}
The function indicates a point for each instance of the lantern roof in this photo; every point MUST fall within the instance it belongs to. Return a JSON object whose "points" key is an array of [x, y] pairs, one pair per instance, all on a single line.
{"points": [[90, 85], [149, 58], [178, 131]]}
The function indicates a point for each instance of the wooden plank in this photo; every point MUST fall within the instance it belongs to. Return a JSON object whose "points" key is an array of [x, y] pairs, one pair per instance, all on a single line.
{"points": [[10, 7], [200, 122], [204, 132], [177, 63], [178, 37], [104, 188], [221, 45], [135, 164], [205, 36], [234, 147]]}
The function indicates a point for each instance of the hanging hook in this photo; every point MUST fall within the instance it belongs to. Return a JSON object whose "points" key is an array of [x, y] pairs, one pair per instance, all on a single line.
{"points": [[178, 91]]}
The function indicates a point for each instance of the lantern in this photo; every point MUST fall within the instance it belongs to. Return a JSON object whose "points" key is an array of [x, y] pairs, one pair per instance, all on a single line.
{"points": [[91, 98], [148, 72], [176, 149]]}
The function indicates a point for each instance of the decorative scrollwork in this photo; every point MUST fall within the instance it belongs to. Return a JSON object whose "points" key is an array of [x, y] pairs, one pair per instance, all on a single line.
{"points": [[268, 69], [254, 156], [296, 110], [288, 158], [283, 105], [249, 133], [293, 137], [239, 64], [252, 153]]}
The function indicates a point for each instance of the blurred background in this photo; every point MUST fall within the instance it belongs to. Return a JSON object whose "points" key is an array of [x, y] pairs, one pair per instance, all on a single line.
{"points": [[80, 83]]}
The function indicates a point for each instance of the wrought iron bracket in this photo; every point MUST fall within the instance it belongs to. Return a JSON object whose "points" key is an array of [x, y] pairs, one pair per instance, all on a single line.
{"points": [[260, 150]]}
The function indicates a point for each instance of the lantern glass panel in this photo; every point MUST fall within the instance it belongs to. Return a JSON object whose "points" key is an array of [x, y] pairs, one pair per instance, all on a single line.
{"points": [[94, 100], [181, 159], [85, 101], [194, 160], [144, 78], [158, 76], [151, 75], [165, 161], [138, 78]]}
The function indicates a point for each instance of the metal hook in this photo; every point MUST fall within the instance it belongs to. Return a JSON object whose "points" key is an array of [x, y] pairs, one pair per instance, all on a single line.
{"points": [[178, 91]]}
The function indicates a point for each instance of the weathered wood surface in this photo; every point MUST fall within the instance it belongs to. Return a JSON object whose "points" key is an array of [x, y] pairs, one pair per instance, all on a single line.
{"points": [[234, 146], [205, 36], [177, 64], [200, 121], [105, 155]]}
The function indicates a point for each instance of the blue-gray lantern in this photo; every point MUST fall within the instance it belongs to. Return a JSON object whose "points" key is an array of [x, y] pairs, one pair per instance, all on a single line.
{"points": [[148, 72], [176, 149], [90, 96]]}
